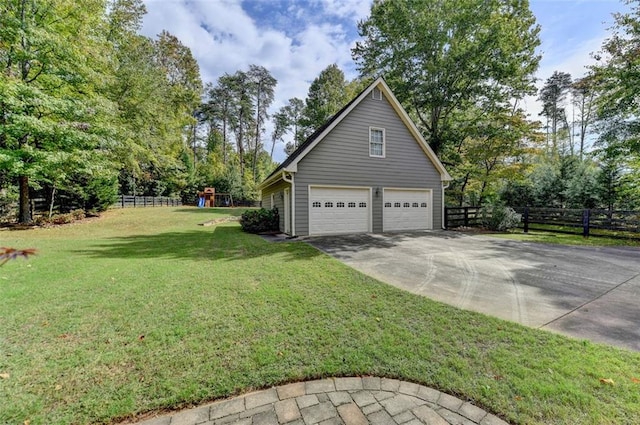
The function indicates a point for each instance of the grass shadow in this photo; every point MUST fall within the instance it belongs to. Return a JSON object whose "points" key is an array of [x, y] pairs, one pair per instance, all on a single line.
{"points": [[224, 243]]}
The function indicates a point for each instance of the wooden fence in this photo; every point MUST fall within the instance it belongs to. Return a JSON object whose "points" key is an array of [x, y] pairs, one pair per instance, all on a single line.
{"points": [[586, 222], [126, 201], [462, 216]]}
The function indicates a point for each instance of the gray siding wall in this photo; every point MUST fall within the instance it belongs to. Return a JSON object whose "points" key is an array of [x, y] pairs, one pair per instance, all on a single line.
{"points": [[342, 159], [278, 190]]}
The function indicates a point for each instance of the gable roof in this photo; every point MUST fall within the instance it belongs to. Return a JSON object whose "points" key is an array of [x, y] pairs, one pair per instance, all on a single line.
{"points": [[291, 163]]}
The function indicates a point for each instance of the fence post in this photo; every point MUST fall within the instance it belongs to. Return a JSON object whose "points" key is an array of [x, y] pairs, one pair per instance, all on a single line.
{"points": [[466, 216], [446, 217], [526, 219], [585, 223], [122, 200]]}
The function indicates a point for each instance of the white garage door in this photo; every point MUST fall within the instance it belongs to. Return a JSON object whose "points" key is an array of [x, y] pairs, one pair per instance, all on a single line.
{"points": [[406, 209], [339, 210]]}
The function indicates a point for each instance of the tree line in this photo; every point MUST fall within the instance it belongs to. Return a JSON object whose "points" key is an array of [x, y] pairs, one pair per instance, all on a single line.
{"points": [[89, 108], [231, 149]]}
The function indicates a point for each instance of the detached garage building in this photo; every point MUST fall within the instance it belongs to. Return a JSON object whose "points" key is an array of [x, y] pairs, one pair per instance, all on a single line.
{"points": [[367, 169]]}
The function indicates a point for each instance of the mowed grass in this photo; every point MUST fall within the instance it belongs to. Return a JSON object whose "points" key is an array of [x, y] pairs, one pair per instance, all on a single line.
{"points": [[542, 236], [143, 310]]}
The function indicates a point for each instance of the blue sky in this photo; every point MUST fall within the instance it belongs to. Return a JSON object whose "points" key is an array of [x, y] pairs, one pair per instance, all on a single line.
{"points": [[296, 39]]}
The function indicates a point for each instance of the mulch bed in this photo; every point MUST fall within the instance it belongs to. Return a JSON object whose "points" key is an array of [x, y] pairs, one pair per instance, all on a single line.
{"points": [[219, 220]]}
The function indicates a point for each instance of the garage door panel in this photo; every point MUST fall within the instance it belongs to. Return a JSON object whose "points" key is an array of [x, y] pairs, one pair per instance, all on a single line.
{"points": [[405, 209], [339, 210]]}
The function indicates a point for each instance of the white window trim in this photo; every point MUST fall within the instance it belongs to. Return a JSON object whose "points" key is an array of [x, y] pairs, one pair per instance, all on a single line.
{"points": [[376, 94], [384, 142]]}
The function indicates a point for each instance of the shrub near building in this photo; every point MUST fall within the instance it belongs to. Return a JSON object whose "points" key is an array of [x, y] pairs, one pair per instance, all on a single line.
{"points": [[260, 221]]}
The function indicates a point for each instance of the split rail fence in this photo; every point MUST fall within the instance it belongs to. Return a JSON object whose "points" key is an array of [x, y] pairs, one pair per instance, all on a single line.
{"points": [[462, 216], [586, 222], [126, 201]]}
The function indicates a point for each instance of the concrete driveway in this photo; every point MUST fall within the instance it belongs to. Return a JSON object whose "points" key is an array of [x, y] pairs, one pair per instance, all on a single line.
{"points": [[584, 292]]}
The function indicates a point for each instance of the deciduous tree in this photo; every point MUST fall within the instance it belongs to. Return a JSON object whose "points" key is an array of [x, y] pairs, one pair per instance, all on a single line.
{"points": [[441, 56], [51, 64], [327, 95], [289, 119]]}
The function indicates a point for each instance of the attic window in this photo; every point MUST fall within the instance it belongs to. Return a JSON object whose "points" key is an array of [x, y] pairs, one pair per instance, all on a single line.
{"points": [[376, 94], [376, 142]]}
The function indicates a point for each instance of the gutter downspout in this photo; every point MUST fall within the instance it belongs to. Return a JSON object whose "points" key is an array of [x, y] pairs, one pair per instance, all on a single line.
{"points": [[444, 186], [292, 204]]}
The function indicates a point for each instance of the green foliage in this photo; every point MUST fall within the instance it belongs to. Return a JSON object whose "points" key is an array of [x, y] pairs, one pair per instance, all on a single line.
{"points": [[52, 108], [582, 187], [234, 113], [499, 218], [73, 115], [495, 150], [616, 79], [289, 119], [552, 96], [566, 181], [460, 70], [517, 193], [327, 95], [441, 57], [8, 202], [556, 182], [260, 221]]}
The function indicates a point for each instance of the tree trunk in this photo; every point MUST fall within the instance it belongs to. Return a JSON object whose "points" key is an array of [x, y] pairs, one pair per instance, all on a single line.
{"points": [[53, 197], [195, 147], [273, 147], [462, 189], [25, 210], [224, 141], [254, 164]]}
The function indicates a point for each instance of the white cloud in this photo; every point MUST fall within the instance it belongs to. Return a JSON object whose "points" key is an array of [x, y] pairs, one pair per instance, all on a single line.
{"points": [[348, 9], [574, 62], [224, 38]]}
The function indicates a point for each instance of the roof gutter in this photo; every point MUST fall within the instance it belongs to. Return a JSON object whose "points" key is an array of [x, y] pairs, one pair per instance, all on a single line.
{"points": [[445, 184], [290, 179]]}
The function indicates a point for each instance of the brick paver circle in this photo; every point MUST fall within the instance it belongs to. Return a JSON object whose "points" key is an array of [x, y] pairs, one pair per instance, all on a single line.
{"points": [[345, 401]]}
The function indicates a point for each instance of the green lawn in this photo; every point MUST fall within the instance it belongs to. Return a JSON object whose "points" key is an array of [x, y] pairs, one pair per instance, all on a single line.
{"points": [[543, 236], [143, 310]]}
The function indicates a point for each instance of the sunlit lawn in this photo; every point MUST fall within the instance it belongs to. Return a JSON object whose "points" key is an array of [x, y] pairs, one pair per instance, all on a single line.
{"points": [[144, 310], [543, 236]]}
